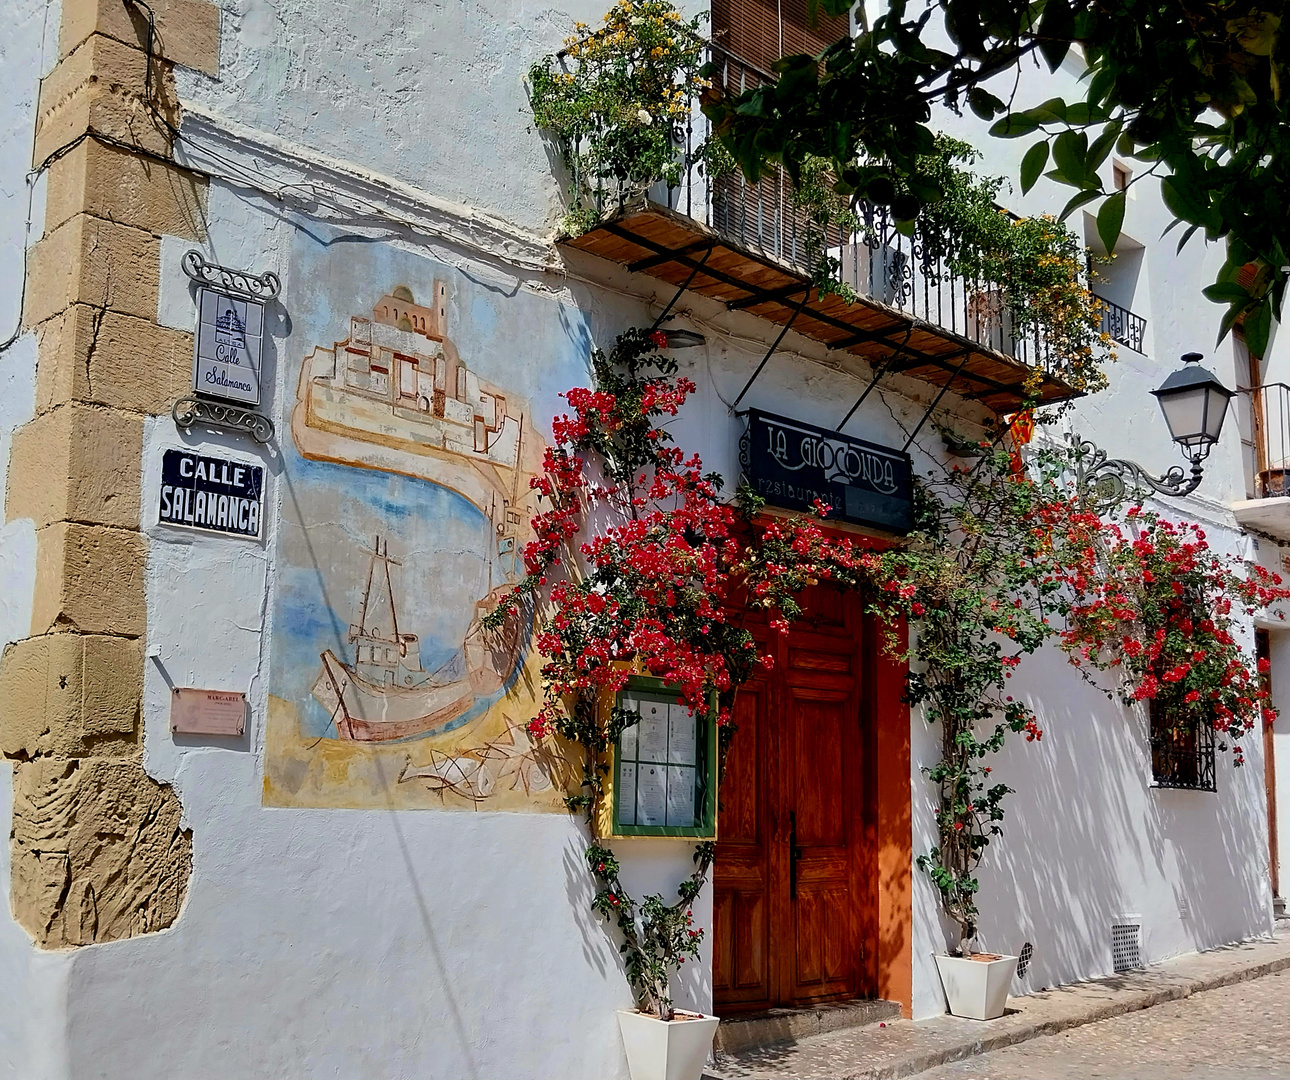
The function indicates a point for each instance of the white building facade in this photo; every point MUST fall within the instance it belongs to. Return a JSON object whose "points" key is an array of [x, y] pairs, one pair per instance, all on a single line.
{"points": [[314, 894]]}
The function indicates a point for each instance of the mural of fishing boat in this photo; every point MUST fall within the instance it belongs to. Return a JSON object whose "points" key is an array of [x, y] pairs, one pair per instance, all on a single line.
{"points": [[386, 693]]}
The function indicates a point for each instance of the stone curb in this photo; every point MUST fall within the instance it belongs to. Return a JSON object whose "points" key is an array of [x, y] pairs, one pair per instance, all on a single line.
{"points": [[1166, 986]]}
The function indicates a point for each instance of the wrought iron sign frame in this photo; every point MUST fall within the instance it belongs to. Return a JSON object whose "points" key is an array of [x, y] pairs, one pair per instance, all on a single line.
{"points": [[203, 407]]}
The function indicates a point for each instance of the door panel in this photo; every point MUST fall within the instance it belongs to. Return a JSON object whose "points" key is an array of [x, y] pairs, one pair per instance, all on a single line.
{"points": [[791, 848], [740, 961]]}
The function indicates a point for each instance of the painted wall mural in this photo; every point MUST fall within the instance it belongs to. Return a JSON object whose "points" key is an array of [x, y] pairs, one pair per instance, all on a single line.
{"points": [[405, 503]]}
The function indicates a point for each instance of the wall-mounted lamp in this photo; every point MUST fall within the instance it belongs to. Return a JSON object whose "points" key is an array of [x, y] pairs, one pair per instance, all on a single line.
{"points": [[1194, 404], [683, 339]]}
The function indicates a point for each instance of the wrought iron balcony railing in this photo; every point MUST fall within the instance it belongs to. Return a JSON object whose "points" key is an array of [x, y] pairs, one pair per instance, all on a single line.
{"points": [[753, 247], [1123, 325], [879, 262], [1270, 435]]}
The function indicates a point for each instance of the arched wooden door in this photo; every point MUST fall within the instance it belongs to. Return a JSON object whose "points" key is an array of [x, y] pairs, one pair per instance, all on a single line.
{"points": [[794, 881]]}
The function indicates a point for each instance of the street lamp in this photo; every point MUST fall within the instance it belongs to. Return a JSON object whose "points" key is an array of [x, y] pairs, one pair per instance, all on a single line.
{"points": [[1194, 404]]}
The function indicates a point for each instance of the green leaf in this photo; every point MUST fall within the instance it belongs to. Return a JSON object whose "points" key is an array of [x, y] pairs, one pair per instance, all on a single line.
{"points": [[1258, 325], [1052, 111], [1101, 148], [1056, 28], [1186, 201], [1226, 292], [1185, 236], [1070, 149], [1078, 200], [984, 103], [1033, 164], [1013, 126], [1229, 320], [1110, 218]]}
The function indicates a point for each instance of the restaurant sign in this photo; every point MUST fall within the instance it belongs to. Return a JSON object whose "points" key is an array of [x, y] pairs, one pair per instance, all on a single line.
{"points": [[791, 464]]}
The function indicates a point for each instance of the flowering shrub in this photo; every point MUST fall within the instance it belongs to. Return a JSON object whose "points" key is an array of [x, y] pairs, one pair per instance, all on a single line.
{"points": [[617, 113], [646, 568], [1153, 603], [645, 588]]}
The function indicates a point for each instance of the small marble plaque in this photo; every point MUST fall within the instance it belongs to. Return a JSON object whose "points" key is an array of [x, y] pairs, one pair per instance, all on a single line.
{"points": [[207, 712]]}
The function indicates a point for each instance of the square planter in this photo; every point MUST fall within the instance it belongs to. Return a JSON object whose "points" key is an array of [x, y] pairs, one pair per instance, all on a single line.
{"points": [[666, 1049], [976, 989]]}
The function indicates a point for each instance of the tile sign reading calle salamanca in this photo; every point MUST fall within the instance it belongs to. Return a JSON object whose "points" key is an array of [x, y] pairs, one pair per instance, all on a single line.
{"points": [[211, 493], [791, 464]]}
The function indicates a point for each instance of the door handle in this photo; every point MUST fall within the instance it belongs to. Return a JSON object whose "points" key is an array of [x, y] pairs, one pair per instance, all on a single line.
{"points": [[794, 853]]}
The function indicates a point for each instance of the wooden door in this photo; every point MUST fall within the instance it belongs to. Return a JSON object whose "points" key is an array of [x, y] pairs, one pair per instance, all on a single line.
{"points": [[791, 855], [1263, 651]]}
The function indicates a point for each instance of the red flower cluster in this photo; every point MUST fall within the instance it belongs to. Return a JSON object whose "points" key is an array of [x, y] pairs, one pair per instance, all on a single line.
{"points": [[1158, 604]]}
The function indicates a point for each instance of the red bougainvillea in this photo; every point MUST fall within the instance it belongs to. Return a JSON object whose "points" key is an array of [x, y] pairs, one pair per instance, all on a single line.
{"points": [[1152, 602]]}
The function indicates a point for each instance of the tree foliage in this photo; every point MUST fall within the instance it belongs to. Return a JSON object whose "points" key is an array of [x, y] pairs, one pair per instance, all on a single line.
{"points": [[1192, 89]]}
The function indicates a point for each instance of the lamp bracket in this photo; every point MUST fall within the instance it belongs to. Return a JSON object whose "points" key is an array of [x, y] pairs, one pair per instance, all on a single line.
{"points": [[1105, 481]]}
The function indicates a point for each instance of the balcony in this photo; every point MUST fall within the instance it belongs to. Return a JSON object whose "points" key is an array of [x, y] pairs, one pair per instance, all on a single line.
{"points": [[1123, 325], [747, 246], [1268, 453]]}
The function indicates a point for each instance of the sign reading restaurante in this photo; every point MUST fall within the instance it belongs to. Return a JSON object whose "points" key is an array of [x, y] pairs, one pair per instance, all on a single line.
{"points": [[791, 464]]}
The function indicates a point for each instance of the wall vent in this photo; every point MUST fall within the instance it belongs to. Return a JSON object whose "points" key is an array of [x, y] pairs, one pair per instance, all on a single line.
{"points": [[1126, 945]]}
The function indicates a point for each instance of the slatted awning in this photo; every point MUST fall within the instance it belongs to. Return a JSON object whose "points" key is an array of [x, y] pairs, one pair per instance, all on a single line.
{"points": [[651, 239]]}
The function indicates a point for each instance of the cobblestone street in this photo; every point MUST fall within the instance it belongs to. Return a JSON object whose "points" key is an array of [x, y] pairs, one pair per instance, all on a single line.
{"points": [[1234, 1031]]}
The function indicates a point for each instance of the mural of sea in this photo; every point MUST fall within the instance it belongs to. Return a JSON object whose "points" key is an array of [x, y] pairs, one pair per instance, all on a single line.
{"points": [[405, 505]]}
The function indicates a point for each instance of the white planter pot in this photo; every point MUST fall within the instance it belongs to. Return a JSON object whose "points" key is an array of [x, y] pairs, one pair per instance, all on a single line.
{"points": [[666, 1049], [977, 989]]}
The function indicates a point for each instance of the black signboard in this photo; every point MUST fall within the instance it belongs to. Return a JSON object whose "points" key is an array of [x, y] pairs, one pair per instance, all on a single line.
{"points": [[210, 493], [791, 464]]}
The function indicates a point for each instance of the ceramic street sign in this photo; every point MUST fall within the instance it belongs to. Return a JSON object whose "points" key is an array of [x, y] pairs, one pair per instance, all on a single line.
{"points": [[791, 464], [230, 335], [214, 494]]}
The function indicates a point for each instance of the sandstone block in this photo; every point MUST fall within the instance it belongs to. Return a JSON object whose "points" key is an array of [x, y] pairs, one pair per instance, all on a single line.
{"points": [[111, 686], [70, 695], [77, 463], [187, 30], [99, 853], [91, 261], [89, 578], [125, 188], [100, 87], [88, 354]]}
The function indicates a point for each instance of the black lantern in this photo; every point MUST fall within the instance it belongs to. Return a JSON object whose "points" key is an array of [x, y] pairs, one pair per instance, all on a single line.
{"points": [[1194, 403]]}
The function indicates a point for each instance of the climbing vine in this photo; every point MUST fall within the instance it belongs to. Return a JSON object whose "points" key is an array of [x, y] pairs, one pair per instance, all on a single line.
{"points": [[647, 567]]}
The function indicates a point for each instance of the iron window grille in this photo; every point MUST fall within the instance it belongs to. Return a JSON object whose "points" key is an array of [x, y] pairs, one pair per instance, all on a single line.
{"points": [[1182, 751]]}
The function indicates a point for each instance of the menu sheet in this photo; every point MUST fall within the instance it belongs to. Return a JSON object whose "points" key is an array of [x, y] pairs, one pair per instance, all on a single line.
{"points": [[658, 761]]}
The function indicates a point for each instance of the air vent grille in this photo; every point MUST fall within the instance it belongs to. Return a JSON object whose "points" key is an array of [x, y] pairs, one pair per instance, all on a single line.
{"points": [[1126, 946]]}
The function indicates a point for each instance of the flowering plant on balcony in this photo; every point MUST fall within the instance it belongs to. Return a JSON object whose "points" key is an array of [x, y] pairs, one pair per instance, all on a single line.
{"points": [[1154, 604], [1028, 272], [616, 98]]}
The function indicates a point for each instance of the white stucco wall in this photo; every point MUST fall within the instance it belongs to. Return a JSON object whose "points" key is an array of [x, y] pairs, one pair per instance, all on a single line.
{"points": [[430, 944]]}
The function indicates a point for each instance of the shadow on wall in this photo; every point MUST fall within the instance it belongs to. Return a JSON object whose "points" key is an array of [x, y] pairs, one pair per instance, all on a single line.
{"points": [[1086, 840]]}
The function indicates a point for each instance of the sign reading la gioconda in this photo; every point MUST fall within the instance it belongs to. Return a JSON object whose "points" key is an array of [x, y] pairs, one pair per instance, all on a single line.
{"points": [[791, 464]]}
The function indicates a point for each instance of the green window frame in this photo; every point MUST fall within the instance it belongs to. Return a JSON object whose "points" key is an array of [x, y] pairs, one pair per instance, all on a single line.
{"points": [[673, 765]]}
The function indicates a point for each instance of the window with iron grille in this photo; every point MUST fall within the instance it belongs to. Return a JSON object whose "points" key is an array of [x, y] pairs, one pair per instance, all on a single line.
{"points": [[1182, 750]]}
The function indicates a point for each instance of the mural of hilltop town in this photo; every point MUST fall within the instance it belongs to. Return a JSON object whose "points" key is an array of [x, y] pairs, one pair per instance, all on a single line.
{"points": [[405, 505]]}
